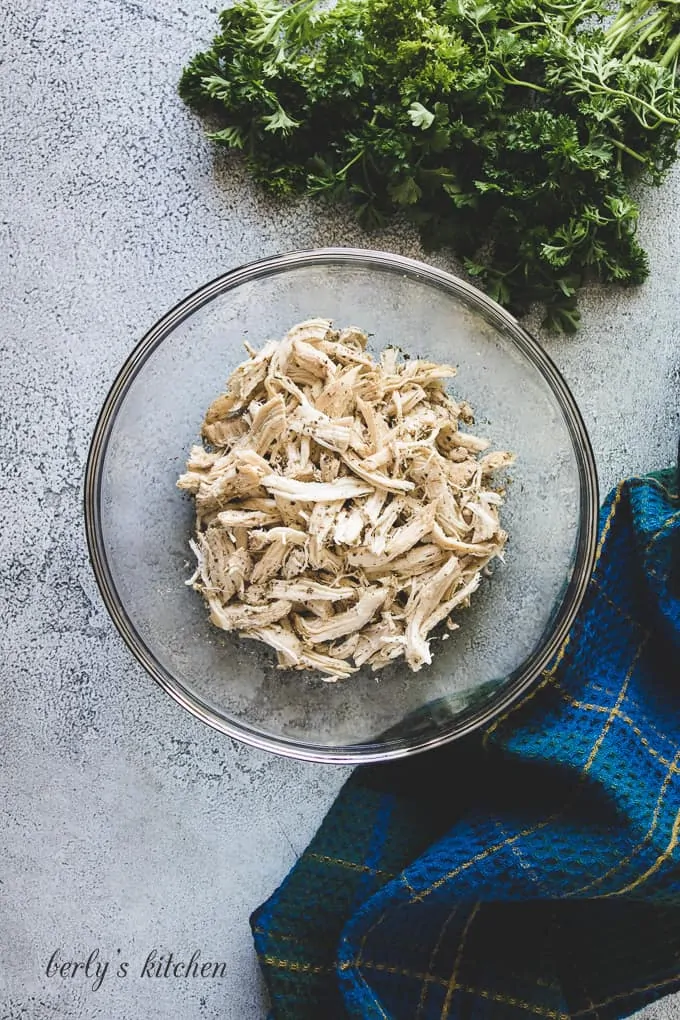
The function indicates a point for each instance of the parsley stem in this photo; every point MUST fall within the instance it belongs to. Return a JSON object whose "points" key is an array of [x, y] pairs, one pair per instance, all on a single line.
{"points": [[511, 80], [527, 24], [650, 30], [672, 53], [346, 167], [626, 18], [636, 26], [627, 150], [582, 11]]}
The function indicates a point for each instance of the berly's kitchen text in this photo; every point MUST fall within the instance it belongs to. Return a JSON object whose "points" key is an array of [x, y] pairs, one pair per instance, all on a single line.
{"points": [[94, 968]]}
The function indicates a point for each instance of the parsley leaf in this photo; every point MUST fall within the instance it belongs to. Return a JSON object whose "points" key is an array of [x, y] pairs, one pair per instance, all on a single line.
{"points": [[508, 130]]}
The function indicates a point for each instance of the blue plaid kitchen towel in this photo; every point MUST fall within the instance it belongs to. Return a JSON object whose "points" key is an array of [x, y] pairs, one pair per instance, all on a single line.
{"points": [[529, 871]]}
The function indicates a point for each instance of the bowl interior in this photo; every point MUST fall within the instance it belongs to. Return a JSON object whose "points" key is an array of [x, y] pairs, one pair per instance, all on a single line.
{"points": [[140, 523]]}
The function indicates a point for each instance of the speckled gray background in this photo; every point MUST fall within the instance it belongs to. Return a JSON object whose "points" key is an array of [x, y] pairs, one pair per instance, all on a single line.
{"points": [[127, 825]]}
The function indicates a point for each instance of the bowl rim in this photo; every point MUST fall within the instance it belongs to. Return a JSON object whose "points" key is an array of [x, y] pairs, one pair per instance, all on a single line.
{"points": [[531, 669]]}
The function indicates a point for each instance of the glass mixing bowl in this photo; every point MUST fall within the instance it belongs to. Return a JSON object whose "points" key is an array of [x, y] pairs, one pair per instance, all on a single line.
{"points": [[139, 523]]}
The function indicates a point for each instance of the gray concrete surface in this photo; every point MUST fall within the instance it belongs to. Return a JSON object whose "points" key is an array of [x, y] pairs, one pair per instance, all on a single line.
{"points": [[127, 825]]}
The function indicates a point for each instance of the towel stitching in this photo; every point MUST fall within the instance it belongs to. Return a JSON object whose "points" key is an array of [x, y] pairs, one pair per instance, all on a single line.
{"points": [[433, 958], [632, 991], [451, 987], [469, 990], [511, 1000], [276, 936], [672, 520], [353, 865], [406, 882], [617, 706], [661, 860], [294, 965], [639, 482], [673, 770], [624, 615], [601, 709]]}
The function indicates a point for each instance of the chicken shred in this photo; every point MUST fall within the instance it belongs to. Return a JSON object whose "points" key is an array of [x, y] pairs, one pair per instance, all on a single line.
{"points": [[342, 513]]}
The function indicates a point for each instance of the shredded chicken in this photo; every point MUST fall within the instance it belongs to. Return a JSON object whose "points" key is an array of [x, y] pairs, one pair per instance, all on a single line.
{"points": [[342, 513]]}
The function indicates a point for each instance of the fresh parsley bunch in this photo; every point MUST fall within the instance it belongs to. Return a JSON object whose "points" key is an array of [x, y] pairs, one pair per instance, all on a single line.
{"points": [[509, 130]]}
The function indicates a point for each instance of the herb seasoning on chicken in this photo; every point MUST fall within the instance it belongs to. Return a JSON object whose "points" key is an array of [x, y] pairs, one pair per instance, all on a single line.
{"points": [[341, 513]]}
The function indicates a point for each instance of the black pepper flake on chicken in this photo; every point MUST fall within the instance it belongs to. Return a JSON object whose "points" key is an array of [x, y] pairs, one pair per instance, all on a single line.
{"points": [[341, 512]]}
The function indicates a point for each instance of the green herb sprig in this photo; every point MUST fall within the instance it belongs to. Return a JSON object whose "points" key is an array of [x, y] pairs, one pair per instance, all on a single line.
{"points": [[509, 130]]}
